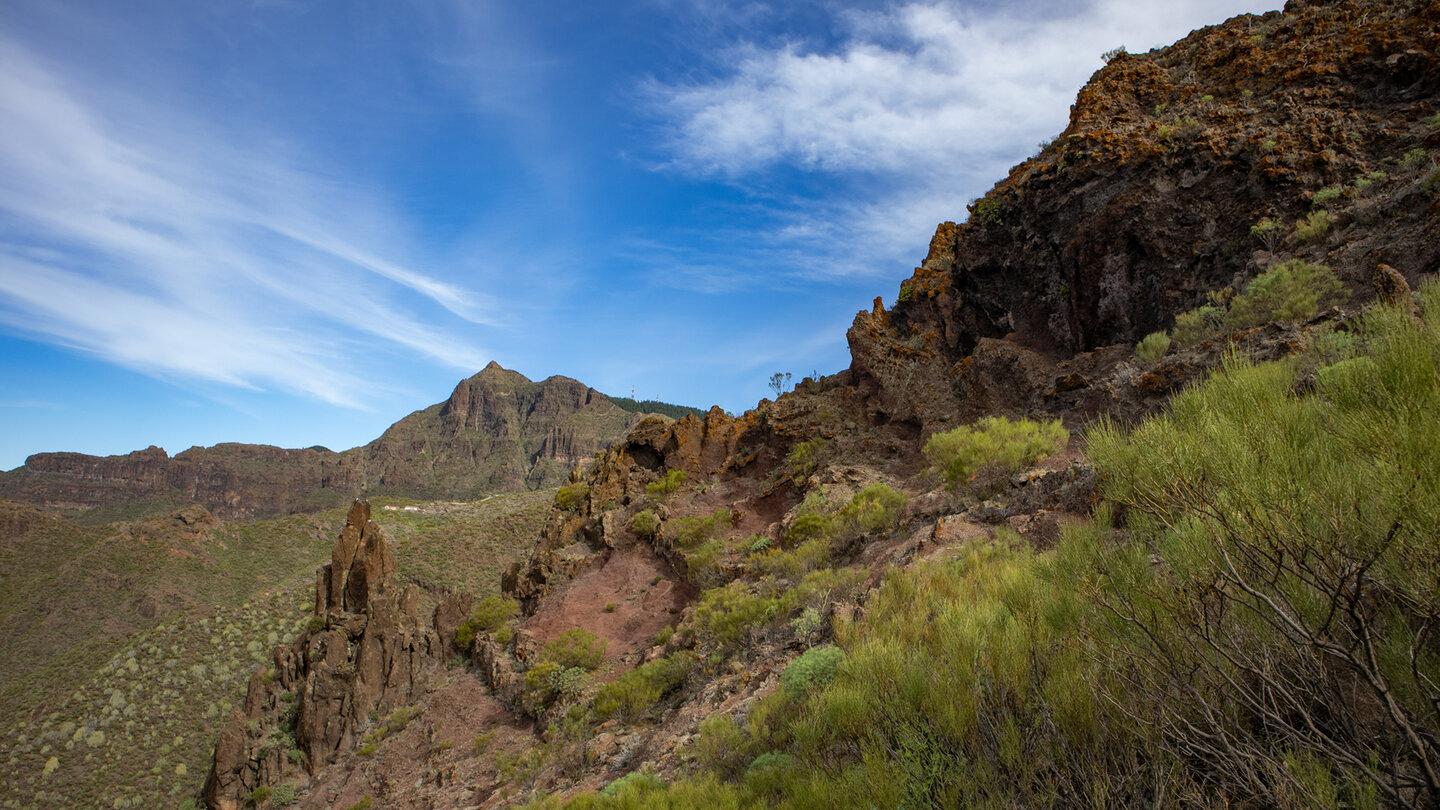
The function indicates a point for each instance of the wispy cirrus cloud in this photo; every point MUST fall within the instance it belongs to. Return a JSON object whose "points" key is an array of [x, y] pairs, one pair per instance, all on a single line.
{"points": [[158, 242]]}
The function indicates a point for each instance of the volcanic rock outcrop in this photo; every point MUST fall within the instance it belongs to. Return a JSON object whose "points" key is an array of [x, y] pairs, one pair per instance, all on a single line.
{"points": [[1146, 202], [367, 653]]}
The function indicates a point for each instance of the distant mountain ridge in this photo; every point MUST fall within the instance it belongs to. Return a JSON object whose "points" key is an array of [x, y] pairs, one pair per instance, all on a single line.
{"points": [[498, 431]]}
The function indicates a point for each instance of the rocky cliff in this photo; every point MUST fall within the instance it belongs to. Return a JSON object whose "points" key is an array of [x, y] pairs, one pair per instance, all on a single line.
{"points": [[1146, 202], [498, 431], [366, 654]]}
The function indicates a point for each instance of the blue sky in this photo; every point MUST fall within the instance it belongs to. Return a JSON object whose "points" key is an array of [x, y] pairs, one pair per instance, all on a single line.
{"points": [[296, 222]]}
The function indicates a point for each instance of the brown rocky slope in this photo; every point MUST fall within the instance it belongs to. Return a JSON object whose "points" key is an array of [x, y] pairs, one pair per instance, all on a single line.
{"points": [[498, 431], [1138, 211]]}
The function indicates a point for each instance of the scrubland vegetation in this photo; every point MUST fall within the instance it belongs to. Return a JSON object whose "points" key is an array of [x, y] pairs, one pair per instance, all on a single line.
{"points": [[1249, 618], [136, 728]]}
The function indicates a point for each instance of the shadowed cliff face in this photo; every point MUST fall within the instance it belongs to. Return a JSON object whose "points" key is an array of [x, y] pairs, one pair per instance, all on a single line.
{"points": [[498, 431], [1146, 201]]}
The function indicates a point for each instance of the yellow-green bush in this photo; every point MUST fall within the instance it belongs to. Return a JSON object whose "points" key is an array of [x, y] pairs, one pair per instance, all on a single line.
{"points": [[814, 669], [804, 457], [689, 532], [1194, 325], [489, 615], [645, 523], [571, 497], [1010, 444], [634, 694], [576, 648], [666, 485], [1152, 347], [1290, 291], [1314, 227], [1296, 584]]}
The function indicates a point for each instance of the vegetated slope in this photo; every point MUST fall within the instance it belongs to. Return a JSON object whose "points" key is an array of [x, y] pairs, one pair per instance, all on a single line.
{"points": [[498, 432], [128, 645], [851, 597]]}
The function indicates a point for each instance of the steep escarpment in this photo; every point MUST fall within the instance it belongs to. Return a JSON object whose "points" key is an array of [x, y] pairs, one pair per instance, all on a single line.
{"points": [[498, 432]]}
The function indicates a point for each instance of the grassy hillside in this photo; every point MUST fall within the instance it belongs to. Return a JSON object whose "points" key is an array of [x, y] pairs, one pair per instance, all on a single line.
{"points": [[1247, 621], [129, 644]]}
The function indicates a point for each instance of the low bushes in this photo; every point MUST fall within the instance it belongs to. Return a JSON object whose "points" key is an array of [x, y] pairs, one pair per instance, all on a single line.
{"points": [[489, 615], [645, 523], [814, 669], [1290, 291], [1008, 444], [1152, 347], [571, 497], [634, 694], [671, 482]]}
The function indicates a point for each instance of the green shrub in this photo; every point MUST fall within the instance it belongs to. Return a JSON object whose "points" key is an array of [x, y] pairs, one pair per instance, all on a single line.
{"points": [[803, 458], [363, 804], [576, 648], [702, 565], [1431, 183], [876, 508], [261, 794], [759, 543], [1152, 347], [1268, 231], [1314, 227], [814, 669], [689, 532], [808, 556], [1283, 545], [489, 615], [1327, 195], [1195, 325], [1290, 291], [1366, 182], [1414, 159], [727, 613], [1011, 445], [634, 694], [571, 497], [548, 680], [633, 782], [972, 678], [284, 795], [722, 745], [671, 482], [988, 210], [645, 523], [810, 526]]}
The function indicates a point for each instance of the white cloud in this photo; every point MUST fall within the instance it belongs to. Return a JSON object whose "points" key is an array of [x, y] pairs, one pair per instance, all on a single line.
{"points": [[148, 239], [911, 88], [917, 110]]}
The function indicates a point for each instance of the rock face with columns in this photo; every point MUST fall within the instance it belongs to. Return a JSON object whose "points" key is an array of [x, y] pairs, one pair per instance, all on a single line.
{"points": [[366, 654]]}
